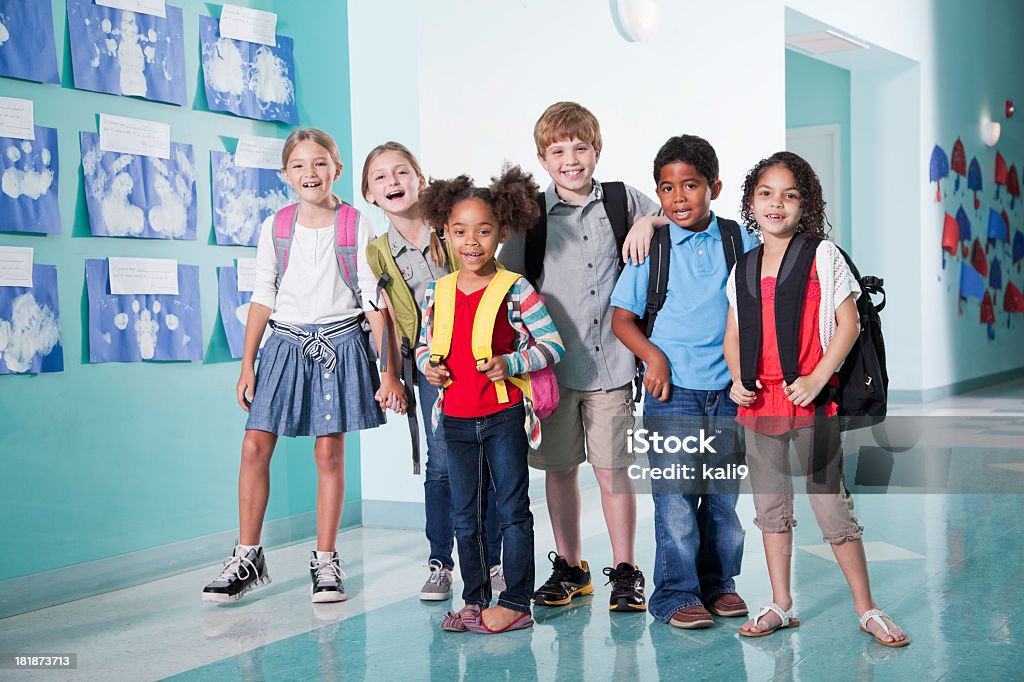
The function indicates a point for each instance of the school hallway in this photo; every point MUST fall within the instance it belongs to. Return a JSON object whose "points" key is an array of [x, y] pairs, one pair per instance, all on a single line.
{"points": [[945, 566]]}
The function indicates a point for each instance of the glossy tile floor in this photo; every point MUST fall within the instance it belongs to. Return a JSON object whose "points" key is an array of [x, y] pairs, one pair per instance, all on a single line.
{"points": [[947, 567]]}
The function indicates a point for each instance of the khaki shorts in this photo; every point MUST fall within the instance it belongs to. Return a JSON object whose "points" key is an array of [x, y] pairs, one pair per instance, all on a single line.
{"points": [[587, 426]]}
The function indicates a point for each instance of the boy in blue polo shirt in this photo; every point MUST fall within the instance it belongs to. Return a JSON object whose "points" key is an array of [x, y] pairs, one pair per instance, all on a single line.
{"points": [[699, 538]]}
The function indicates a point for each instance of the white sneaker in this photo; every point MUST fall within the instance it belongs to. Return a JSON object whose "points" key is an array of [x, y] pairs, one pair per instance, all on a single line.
{"points": [[439, 585], [497, 580]]}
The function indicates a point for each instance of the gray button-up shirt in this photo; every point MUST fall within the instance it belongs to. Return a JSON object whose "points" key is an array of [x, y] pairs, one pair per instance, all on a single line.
{"points": [[581, 266], [415, 262]]}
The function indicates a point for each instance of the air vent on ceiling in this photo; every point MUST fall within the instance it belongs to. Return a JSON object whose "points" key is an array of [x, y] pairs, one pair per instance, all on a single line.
{"points": [[822, 42]]}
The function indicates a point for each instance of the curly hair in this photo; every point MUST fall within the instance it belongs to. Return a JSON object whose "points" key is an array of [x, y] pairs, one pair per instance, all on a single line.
{"points": [[690, 149], [812, 204], [512, 197]]}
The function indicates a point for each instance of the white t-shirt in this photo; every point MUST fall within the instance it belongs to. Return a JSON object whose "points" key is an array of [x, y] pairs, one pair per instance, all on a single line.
{"points": [[312, 290]]}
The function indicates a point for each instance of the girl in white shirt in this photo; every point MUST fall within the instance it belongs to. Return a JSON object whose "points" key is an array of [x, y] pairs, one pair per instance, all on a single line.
{"points": [[316, 376]]}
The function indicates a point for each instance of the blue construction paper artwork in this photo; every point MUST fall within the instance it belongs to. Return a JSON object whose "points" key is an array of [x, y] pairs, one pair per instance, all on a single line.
{"points": [[126, 53], [139, 196], [28, 183], [134, 327], [248, 79], [234, 309], [971, 283], [243, 198], [27, 49], [30, 325], [964, 224]]}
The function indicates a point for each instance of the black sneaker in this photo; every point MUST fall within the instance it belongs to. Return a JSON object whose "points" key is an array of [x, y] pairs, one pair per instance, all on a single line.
{"points": [[327, 579], [565, 583], [242, 572], [627, 588]]}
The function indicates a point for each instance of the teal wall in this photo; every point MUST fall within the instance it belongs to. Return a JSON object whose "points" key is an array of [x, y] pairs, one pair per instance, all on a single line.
{"points": [[103, 460], [819, 94]]}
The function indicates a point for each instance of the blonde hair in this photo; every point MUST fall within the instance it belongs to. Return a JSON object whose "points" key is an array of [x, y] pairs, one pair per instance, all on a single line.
{"points": [[437, 253], [565, 121], [313, 135]]}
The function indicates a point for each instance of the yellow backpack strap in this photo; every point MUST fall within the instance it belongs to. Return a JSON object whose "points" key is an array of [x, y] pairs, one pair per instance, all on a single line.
{"points": [[444, 318], [483, 323]]}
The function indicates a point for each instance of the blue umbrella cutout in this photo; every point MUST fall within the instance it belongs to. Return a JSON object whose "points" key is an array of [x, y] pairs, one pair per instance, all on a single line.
{"points": [[974, 180], [995, 275], [938, 169], [971, 283], [996, 228], [964, 223], [1018, 248]]}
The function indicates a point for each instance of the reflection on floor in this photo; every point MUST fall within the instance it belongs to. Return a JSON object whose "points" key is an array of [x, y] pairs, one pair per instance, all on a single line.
{"points": [[945, 566]]}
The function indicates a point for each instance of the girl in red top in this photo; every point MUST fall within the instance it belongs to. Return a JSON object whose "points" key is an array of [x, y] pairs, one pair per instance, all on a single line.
{"points": [[782, 196], [487, 438]]}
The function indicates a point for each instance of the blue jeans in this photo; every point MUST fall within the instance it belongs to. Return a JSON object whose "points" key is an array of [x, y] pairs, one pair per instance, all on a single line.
{"points": [[481, 450], [699, 539], [437, 493]]}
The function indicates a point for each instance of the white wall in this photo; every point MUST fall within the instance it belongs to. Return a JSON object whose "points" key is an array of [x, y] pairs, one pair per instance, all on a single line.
{"points": [[462, 82]]}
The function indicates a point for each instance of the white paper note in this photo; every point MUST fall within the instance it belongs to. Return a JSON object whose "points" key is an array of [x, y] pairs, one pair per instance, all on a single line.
{"points": [[135, 136], [16, 118], [246, 268], [143, 275], [259, 152], [157, 8], [15, 266], [252, 25]]}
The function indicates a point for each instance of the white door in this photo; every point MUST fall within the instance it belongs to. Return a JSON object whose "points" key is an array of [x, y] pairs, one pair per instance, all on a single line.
{"points": [[819, 146]]}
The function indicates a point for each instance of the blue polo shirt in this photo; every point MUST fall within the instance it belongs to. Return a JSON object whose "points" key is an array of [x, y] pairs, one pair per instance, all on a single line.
{"points": [[690, 329]]}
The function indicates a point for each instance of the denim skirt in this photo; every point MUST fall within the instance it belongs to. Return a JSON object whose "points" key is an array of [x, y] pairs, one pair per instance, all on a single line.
{"points": [[297, 396]]}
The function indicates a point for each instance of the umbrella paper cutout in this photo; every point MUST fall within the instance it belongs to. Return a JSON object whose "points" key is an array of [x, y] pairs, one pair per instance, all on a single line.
{"points": [[971, 284], [997, 228], [1013, 302], [995, 275], [974, 181], [963, 225], [978, 260], [958, 163], [950, 237], [987, 315], [1000, 172], [1012, 186], [938, 169], [1018, 248]]}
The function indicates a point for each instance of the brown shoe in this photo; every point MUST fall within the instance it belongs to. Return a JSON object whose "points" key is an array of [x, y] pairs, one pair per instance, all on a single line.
{"points": [[691, 618], [728, 605]]}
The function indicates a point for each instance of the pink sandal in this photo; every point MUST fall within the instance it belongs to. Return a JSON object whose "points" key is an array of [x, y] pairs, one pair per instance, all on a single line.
{"points": [[456, 622], [476, 623]]}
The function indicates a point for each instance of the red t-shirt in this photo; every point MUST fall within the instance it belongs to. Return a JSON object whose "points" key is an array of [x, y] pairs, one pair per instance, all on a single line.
{"points": [[772, 413], [471, 393]]}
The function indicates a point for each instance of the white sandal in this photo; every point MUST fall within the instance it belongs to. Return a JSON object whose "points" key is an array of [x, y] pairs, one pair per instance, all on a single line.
{"points": [[877, 615], [788, 620]]}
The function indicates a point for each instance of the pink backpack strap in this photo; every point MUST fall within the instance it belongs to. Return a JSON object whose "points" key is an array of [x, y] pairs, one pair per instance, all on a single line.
{"points": [[284, 229], [345, 226]]}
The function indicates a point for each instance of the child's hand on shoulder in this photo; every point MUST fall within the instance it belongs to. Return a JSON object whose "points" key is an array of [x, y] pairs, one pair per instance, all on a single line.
{"points": [[805, 389], [436, 375], [658, 378], [638, 241], [740, 395], [245, 389], [496, 368]]}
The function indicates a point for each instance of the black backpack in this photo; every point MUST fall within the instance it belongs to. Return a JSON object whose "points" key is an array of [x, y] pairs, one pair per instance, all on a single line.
{"points": [[615, 205], [661, 249], [863, 379]]}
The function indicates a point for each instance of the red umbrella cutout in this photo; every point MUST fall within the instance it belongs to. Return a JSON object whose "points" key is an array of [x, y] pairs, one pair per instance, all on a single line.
{"points": [[1012, 186], [1013, 301], [1000, 172], [988, 315], [978, 260], [958, 163], [950, 236]]}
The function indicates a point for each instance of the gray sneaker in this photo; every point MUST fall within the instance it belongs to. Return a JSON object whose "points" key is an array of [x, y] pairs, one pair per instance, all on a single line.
{"points": [[327, 579], [497, 580], [439, 585]]}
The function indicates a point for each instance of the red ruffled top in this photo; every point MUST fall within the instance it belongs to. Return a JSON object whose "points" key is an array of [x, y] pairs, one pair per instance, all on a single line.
{"points": [[772, 413]]}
